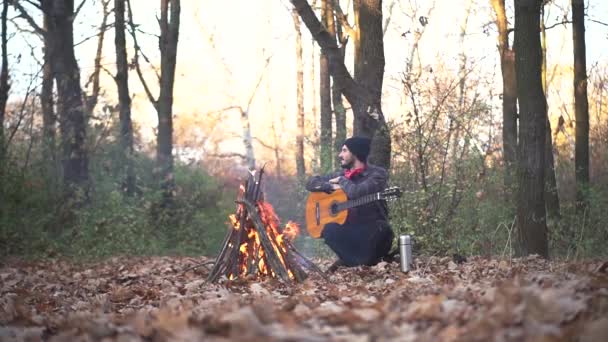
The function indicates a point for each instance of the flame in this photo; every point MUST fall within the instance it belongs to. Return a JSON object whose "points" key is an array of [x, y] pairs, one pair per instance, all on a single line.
{"points": [[251, 252], [291, 230]]}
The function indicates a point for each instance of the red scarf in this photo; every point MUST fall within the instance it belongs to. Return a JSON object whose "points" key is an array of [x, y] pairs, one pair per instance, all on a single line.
{"points": [[352, 173]]}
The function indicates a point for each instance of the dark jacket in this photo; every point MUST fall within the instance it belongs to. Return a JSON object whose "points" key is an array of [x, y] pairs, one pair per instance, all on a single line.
{"points": [[373, 179]]}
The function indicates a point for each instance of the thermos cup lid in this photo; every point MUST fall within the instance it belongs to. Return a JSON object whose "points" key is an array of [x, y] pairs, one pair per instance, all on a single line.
{"points": [[404, 239]]}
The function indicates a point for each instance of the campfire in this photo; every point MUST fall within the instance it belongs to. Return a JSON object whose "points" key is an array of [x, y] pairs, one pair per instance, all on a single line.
{"points": [[256, 246]]}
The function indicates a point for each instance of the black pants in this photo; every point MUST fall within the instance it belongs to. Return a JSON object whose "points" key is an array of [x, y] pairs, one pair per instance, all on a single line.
{"points": [[359, 243]]}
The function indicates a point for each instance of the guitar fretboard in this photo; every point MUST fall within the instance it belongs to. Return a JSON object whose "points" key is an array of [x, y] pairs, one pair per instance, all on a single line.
{"points": [[359, 201]]}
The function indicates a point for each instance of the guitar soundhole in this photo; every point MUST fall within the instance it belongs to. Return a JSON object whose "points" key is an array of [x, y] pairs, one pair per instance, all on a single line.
{"points": [[334, 208]]}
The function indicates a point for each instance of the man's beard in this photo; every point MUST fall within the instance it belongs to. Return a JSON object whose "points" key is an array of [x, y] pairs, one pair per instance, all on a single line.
{"points": [[348, 165]]}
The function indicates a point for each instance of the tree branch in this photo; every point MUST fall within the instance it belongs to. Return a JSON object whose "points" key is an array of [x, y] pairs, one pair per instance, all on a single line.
{"points": [[597, 21], [23, 13], [354, 93], [388, 18], [107, 27], [136, 57], [228, 155], [264, 144], [78, 9], [257, 86], [563, 22], [34, 4], [344, 21]]}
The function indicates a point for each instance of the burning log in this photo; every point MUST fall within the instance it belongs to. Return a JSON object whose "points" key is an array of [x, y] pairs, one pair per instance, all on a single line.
{"points": [[255, 245]]}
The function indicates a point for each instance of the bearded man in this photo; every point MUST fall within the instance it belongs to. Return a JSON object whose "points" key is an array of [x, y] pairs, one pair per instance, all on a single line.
{"points": [[366, 237]]}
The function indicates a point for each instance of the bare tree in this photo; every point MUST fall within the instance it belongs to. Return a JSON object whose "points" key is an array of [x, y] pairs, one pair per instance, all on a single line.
{"points": [[509, 95], [336, 96], [49, 119], [4, 86], [91, 100], [581, 104], [169, 34], [300, 164], [369, 72], [325, 142], [364, 98], [70, 107], [124, 99], [551, 193], [531, 213]]}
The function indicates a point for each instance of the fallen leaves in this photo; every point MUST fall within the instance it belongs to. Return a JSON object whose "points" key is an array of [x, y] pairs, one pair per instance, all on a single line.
{"points": [[163, 298]]}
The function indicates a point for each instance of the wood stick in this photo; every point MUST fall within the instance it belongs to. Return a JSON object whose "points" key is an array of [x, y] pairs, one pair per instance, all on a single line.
{"points": [[306, 263], [220, 257], [273, 260]]}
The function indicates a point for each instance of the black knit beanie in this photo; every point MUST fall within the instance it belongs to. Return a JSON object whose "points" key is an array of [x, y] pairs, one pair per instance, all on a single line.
{"points": [[359, 146]]}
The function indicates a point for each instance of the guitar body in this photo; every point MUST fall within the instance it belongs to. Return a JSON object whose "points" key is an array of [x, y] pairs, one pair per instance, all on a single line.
{"points": [[319, 211]]}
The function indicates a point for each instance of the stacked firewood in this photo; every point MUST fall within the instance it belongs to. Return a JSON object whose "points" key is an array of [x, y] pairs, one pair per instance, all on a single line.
{"points": [[271, 254]]}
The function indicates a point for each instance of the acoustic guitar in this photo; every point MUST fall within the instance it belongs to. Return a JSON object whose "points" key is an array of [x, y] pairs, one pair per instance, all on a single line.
{"points": [[323, 208]]}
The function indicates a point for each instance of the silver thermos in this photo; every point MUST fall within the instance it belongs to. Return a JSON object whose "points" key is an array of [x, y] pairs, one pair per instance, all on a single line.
{"points": [[405, 250]]}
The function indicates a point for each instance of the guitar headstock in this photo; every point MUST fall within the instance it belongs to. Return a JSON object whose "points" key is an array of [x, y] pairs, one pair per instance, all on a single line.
{"points": [[391, 193]]}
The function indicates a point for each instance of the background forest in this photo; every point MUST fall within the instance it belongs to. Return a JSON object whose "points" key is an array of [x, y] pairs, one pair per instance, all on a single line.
{"points": [[126, 127]]}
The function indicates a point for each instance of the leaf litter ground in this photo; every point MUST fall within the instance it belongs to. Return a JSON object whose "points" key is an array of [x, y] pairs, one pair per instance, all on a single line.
{"points": [[166, 299]]}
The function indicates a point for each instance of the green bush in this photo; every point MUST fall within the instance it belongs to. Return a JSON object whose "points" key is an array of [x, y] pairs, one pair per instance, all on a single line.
{"points": [[36, 222]]}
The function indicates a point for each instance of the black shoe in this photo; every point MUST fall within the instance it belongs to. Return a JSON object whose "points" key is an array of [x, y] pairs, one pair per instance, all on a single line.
{"points": [[334, 266], [392, 257]]}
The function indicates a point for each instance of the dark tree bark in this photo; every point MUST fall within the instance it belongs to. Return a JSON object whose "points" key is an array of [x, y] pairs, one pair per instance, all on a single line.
{"points": [[336, 96], [551, 193], [169, 33], [124, 99], [300, 164], [369, 72], [69, 95], [531, 214], [581, 105], [364, 99], [316, 160], [91, 100], [49, 120], [4, 86], [509, 97], [327, 155]]}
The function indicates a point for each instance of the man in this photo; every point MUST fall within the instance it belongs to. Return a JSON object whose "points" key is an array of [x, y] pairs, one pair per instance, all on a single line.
{"points": [[366, 237]]}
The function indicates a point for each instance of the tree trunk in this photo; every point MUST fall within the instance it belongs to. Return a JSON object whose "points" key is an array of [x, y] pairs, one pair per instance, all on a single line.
{"points": [[277, 148], [336, 96], [363, 100], [169, 33], [49, 120], [124, 99], [4, 87], [581, 105], [369, 73], [327, 155], [247, 139], [551, 193], [316, 160], [69, 96], [531, 214], [300, 164], [91, 100], [509, 97]]}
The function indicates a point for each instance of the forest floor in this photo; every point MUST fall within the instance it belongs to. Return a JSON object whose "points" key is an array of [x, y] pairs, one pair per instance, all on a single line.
{"points": [[163, 298]]}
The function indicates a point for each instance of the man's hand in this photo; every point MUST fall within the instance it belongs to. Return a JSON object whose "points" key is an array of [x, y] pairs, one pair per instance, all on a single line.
{"points": [[334, 180]]}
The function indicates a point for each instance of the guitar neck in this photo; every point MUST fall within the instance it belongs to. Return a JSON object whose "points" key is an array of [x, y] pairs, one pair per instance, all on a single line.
{"points": [[359, 201]]}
